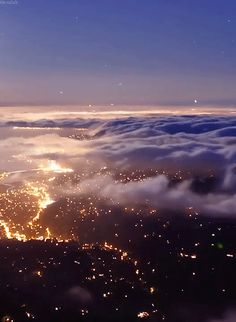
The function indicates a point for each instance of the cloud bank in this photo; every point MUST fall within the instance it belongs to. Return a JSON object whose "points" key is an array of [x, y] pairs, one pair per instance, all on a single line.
{"points": [[183, 161]]}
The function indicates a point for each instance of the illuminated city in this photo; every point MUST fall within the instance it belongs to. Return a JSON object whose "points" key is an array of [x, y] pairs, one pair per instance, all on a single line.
{"points": [[70, 211], [118, 161]]}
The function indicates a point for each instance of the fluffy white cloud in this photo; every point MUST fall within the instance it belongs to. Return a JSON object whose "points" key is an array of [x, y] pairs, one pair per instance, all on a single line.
{"points": [[194, 145]]}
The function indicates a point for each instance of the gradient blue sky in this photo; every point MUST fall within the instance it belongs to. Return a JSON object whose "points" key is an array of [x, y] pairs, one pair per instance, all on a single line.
{"points": [[118, 52]]}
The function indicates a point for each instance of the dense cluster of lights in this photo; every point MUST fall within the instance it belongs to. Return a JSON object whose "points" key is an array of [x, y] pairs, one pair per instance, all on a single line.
{"points": [[53, 166], [26, 205], [22, 205], [102, 268]]}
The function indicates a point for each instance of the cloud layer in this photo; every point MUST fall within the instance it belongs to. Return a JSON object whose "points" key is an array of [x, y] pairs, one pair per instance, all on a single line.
{"points": [[197, 153]]}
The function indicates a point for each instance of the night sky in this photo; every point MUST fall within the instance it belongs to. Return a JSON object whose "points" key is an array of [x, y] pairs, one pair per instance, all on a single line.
{"points": [[133, 52]]}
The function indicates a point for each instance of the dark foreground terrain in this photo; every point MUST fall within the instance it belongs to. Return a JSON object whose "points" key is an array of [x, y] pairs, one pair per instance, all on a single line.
{"points": [[141, 268]]}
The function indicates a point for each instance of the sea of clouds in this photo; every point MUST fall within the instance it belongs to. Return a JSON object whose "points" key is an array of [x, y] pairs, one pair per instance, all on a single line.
{"points": [[195, 145]]}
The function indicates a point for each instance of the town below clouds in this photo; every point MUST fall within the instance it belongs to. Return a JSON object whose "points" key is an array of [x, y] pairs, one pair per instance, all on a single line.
{"points": [[183, 161]]}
